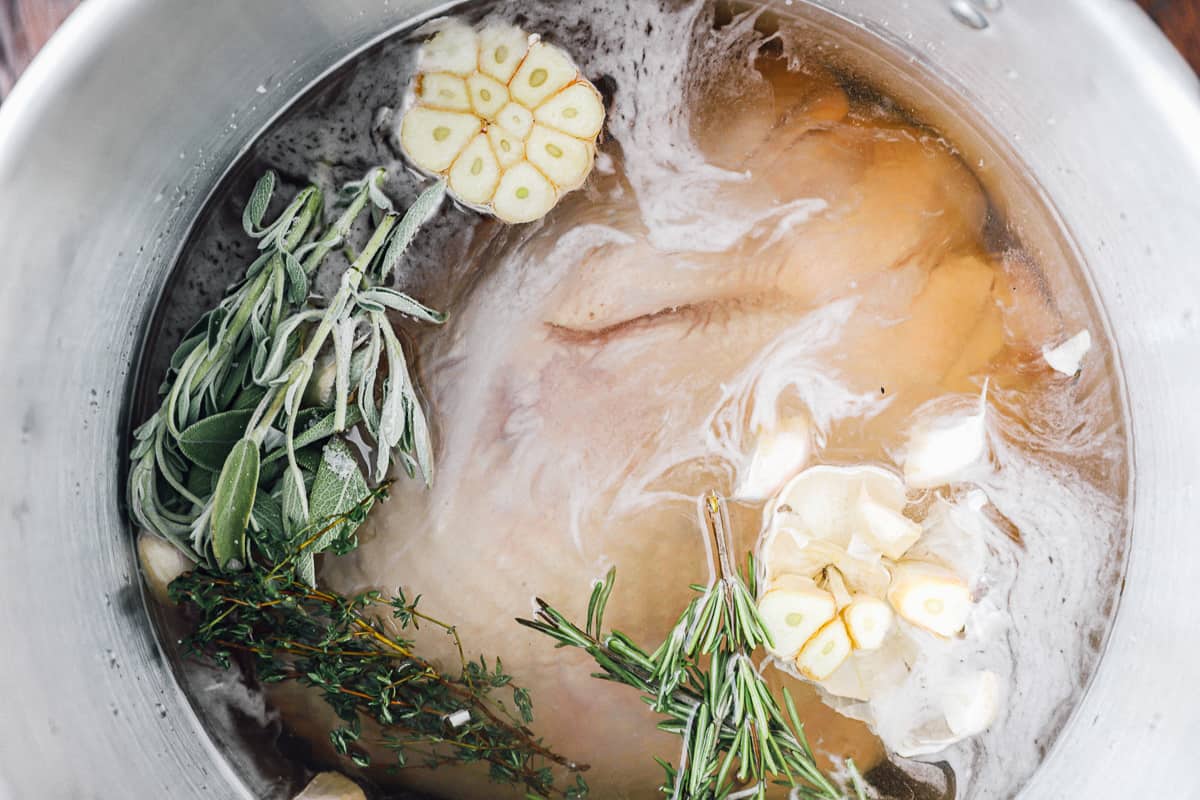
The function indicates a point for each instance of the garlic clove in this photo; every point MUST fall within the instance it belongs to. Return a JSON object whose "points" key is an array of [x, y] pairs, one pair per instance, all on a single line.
{"points": [[577, 110], [971, 702], [1068, 356], [824, 652], [565, 160], [516, 119], [487, 95], [793, 610], [832, 581], [886, 529], [778, 455], [868, 621], [433, 139], [331, 786], [476, 173], [501, 50], [545, 71], [162, 562], [508, 149], [443, 91], [454, 49], [930, 597], [524, 194], [941, 451]]}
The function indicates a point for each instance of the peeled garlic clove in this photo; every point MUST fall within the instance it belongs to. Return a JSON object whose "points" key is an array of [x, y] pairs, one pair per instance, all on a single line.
{"points": [[331, 786], [825, 652], [793, 610], [501, 50], [970, 703], [886, 529], [509, 149], [476, 172], [565, 160], [515, 119], [868, 620], [1067, 357], [444, 91], [930, 597], [162, 562], [577, 110], [524, 194], [778, 455], [487, 95], [545, 71], [940, 451], [454, 49], [433, 139]]}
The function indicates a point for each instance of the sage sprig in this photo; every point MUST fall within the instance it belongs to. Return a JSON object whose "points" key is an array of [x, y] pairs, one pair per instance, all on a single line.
{"points": [[239, 440]]}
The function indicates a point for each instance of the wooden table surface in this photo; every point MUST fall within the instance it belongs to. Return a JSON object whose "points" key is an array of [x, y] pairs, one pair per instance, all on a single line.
{"points": [[26, 24]]}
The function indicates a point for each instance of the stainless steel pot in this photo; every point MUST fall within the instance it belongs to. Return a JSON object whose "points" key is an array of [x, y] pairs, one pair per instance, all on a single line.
{"points": [[111, 142]]}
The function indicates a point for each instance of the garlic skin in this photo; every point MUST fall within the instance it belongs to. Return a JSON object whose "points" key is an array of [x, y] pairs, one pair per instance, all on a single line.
{"points": [[505, 118], [1068, 356]]}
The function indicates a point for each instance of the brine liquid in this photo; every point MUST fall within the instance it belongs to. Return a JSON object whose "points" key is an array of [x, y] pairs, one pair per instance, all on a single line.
{"points": [[764, 235]]}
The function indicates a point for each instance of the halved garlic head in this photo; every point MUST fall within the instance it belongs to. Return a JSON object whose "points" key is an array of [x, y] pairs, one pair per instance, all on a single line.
{"points": [[825, 652], [793, 611], [505, 118], [868, 621], [930, 597]]}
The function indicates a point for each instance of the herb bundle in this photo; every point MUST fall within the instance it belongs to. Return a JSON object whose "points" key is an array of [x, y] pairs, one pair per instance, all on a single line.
{"points": [[247, 469], [737, 741]]}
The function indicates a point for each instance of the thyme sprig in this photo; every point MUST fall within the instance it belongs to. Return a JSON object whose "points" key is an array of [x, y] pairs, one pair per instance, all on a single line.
{"points": [[737, 740], [290, 631]]}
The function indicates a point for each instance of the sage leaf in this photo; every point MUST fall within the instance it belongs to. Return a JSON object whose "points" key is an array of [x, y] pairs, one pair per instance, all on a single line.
{"points": [[209, 442], [233, 501], [338, 489], [267, 515], [382, 297], [318, 431], [417, 215], [256, 207]]}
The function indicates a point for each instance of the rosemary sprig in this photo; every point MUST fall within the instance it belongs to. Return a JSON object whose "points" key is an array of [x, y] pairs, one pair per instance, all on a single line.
{"points": [[737, 740], [289, 630]]}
